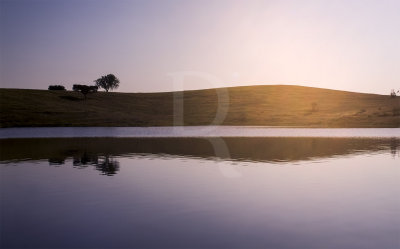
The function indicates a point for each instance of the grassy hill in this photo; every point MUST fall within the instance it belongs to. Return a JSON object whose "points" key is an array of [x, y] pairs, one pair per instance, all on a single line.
{"points": [[277, 105]]}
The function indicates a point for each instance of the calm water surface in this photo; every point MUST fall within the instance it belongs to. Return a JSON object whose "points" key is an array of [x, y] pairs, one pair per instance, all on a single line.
{"points": [[196, 131], [201, 192]]}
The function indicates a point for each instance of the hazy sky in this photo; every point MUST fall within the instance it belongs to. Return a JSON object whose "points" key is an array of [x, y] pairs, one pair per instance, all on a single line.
{"points": [[347, 45]]}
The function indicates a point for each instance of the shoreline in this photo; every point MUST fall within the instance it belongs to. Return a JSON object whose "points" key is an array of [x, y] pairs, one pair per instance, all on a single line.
{"points": [[194, 132]]}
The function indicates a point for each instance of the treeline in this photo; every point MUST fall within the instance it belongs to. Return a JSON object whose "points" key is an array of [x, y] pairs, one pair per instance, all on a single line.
{"points": [[107, 82]]}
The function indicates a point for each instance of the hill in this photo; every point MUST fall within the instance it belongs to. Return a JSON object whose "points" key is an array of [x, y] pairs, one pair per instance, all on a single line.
{"points": [[272, 105]]}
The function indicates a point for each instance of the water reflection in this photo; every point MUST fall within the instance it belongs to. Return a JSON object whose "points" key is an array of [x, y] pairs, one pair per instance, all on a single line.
{"points": [[348, 202], [102, 152], [394, 146], [107, 165]]}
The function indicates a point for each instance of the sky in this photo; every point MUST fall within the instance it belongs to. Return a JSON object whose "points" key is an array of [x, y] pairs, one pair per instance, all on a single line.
{"points": [[351, 45]]}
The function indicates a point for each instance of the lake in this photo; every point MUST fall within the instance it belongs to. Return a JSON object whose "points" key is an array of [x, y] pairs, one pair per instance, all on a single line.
{"points": [[200, 187], [196, 131]]}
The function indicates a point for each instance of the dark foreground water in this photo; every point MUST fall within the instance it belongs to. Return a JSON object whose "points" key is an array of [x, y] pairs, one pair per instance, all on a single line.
{"points": [[248, 192]]}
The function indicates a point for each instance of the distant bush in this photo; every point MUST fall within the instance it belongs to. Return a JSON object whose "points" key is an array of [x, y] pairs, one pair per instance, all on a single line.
{"points": [[56, 87], [84, 89]]}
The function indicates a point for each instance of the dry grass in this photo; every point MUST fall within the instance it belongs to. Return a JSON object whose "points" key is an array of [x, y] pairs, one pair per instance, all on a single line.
{"points": [[252, 105]]}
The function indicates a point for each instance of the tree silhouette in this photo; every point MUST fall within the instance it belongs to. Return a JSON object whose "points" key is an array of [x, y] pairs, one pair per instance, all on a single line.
{"points": [[107, 82], [393, 93], [84, 89], [56, 87]]}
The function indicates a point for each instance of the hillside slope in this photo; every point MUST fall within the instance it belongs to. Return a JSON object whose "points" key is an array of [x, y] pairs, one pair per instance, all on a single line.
{"points": [[277, 105]]}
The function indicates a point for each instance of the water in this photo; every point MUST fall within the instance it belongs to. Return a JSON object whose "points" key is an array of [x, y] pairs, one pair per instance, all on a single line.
{"points": [[196, 131], [201, 192]]}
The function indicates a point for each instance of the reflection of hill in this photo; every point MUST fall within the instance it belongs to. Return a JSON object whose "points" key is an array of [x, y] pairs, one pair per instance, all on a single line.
{"points": [[98, 151]]}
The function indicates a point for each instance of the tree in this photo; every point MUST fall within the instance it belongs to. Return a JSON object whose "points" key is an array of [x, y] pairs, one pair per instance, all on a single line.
{"points": [[56, 87], [84, 89], [393, 93], [107, 82]]}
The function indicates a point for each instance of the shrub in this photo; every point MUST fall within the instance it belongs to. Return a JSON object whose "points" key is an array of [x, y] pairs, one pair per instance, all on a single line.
{"points": [[84, 89], [56, 87]]}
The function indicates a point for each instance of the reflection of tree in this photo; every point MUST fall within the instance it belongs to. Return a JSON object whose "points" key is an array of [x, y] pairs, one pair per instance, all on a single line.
{"points": [[84, 160], [394, 145], [105, 164], [108, 166], [56, 161]]}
